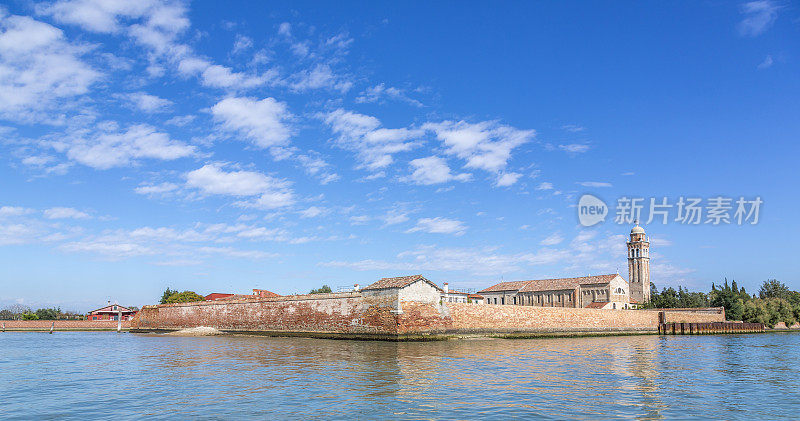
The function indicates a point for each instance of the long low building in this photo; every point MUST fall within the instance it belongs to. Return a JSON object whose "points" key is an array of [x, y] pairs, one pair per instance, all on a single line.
{"points": [[601, 291]]}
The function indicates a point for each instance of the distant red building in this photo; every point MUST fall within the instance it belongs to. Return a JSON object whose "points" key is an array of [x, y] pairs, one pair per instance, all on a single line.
{"points": [[217, 296], [111, 312]]}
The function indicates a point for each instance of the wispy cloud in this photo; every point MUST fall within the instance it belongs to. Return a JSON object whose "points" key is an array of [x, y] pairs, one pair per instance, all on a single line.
{"points": [[594, 184], [439, 225], [758, 17]]}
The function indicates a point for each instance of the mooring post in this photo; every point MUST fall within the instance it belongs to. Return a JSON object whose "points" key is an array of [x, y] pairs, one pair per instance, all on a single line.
{"points": [[52, 327]]}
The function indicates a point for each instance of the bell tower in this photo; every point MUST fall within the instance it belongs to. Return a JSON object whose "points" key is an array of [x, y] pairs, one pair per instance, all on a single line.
{"points": [[639, 265]]}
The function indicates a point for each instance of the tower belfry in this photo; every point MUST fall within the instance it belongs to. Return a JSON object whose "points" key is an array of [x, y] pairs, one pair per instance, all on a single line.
{"points": [[639, 265]]}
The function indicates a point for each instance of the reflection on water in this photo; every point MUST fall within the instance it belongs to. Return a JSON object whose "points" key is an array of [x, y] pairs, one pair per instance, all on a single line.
{"points": [[97, 375]]}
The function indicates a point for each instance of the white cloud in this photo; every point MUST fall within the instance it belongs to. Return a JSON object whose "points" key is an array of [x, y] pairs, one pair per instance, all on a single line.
{"points": [[573, 128], [486, 145], [39, 69], [364, 135], [244, 254], [11, 234], [766, 64], [432, 170], [14, 211], [507, 179], [271, 193], [321, 76], [147, 103], [313, 212], [574, 148], [180, 120], [106, 248], [96, 15], [545, 186], [242, 43], [594, 184], [359, 219], [758, 17], [65, 213], [439, 225], [110, 148], [162, 188], [395, 217], [262, 122], [552, 240], [381, 92]]}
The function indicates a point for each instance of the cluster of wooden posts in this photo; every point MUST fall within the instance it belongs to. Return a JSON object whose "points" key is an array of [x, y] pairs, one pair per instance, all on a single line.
{"points": [[708, 328]]}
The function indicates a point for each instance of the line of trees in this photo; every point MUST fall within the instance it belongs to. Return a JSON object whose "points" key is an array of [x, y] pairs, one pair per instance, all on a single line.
{"points": [[22, 312], [773, 304]]}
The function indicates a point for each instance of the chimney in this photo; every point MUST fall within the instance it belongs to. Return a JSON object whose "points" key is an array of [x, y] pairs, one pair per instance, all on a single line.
{"points": [[356, 287], [446, 288]]}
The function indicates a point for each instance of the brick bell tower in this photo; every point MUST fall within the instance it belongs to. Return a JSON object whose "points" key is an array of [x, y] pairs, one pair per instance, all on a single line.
{"points": [[639, 265]]}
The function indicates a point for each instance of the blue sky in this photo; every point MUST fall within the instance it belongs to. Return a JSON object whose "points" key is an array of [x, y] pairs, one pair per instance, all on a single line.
{"points": [[222, 147]]}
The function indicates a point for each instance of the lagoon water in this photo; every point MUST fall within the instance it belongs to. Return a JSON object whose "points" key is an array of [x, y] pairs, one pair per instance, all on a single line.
{"points": [[85, 375]]}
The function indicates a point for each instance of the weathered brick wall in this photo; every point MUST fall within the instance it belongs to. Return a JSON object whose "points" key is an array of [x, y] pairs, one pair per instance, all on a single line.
{"points": [[62, 324], [472, 318], [374, 314], [318, 313]]}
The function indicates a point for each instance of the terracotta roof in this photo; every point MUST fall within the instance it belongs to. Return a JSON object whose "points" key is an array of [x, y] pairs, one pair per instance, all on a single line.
{"points": [[597, 305], [476, 296], [550, 284], [506, 286], [452, 291], [399, 282], [108, 309]]}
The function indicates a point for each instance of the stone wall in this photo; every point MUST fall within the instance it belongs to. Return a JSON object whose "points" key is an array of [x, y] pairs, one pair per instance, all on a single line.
{"points": [[375, 315]]}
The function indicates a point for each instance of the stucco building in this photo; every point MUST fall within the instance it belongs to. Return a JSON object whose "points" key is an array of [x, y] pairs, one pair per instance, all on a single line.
{"points": [[600, 291]]}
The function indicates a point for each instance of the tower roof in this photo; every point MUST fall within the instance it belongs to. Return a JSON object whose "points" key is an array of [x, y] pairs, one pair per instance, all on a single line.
{"points": [[637, 229]]}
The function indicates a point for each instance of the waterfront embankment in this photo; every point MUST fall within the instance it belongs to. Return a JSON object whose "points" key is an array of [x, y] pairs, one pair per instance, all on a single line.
{"points": [[395, 315], [62, 325]]}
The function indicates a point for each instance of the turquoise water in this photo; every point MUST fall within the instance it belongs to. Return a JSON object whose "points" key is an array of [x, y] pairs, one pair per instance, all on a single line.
{"points": [[83, 375]]}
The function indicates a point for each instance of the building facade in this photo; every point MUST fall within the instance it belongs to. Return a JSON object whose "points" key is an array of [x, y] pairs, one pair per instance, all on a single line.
{"points": [[639, 266], [111, 312], [601, 291]]}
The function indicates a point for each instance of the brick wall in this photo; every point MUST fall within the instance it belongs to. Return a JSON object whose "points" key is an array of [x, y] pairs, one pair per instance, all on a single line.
{"points": [[341, 313], [63, 324], [469, 318], [367, 315]]}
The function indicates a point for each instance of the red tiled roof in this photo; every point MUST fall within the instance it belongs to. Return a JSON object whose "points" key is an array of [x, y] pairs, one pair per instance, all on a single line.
{"points": [[550, 284], [596, 305], [217, 296], [475, 296], [399, 282], [506, 286], [108, 309], [452, 291]]}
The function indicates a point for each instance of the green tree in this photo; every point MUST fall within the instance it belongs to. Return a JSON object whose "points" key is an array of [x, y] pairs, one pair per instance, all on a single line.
{"points": [[184, 297], [6, 314], [774, 288], [729, 297], [322, 290], [30, 316], [165, 296], [48, 313]]}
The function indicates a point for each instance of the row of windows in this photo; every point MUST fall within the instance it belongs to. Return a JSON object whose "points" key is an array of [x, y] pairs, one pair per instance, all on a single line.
{"points": [[638, 252]]}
